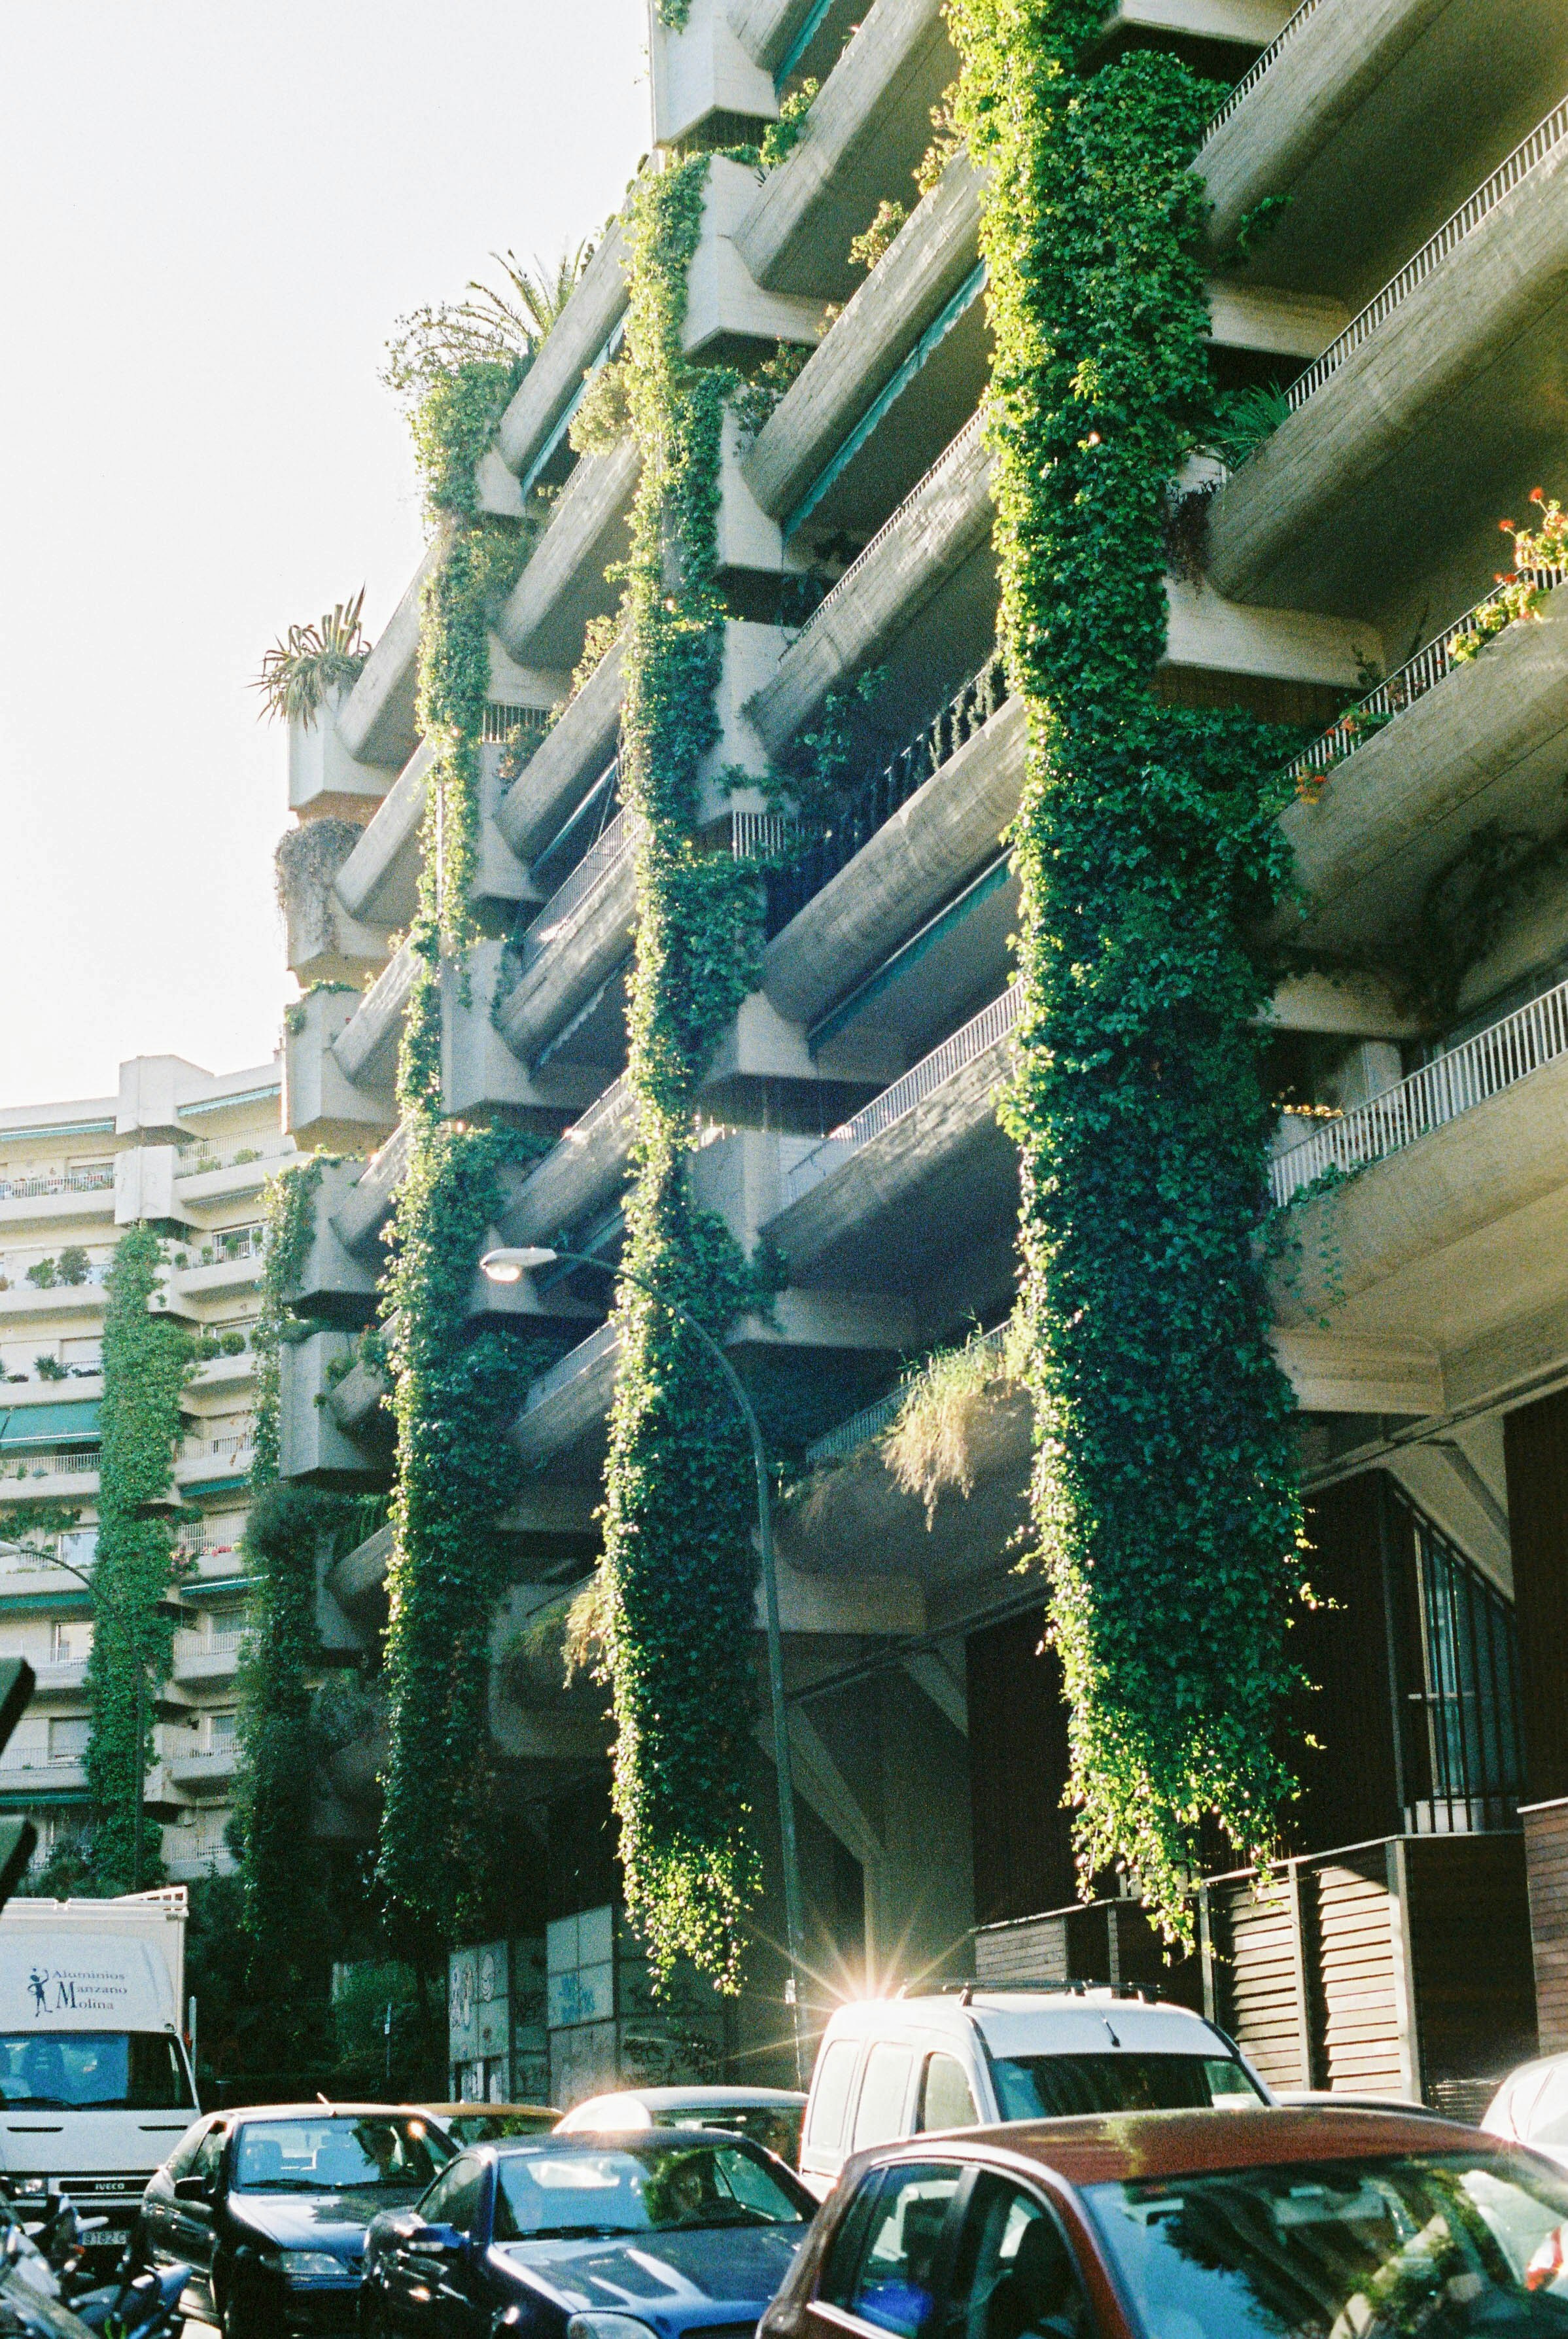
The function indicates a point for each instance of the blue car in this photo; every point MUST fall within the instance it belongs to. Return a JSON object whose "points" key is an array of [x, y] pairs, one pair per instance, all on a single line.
{"points": [[650, 2236]]}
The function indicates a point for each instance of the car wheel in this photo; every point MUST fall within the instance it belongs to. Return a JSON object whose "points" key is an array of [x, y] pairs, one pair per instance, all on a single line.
{"points": [[372, 2312], [237, 2314]]}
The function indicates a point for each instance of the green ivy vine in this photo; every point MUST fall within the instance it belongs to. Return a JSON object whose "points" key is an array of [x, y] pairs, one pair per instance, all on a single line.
{"points": [[678, 1569], [145, 1363], [1164, 1495]]}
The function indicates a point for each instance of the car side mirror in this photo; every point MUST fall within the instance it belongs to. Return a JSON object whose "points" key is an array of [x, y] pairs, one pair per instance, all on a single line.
{"points": [[192, 2188], [438, 2240]]}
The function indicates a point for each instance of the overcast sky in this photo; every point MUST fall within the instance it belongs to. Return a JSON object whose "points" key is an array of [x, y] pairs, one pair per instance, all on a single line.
{"points": [[210, 217]]}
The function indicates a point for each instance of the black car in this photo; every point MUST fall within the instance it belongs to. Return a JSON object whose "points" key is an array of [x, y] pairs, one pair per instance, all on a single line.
{"points": [[659, 2235], [270, 2208]]}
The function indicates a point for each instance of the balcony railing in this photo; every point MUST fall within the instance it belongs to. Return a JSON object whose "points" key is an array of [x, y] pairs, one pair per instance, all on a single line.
{"points": [[99, 1179], [762, 835], [972, 1040], [1530, 150], [75, 1463], [1440, 1091], [1249, 81], [872, 1419], [573, 1363], [1402, 689], [873, 803], [845, 583], [221, 1449]]}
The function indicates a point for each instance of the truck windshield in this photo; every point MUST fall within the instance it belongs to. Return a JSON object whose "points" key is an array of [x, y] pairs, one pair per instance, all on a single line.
{"points": [[1054, 2086], [91, 2071]]}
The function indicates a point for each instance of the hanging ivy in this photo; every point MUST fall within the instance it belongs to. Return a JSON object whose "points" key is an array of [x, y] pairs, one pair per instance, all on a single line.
{"points": [[679, 1568], [146, 1365], [1164, 1495]]}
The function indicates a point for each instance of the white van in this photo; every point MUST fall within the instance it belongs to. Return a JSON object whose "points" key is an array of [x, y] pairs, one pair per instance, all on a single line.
{"points": [[95, 2087], [891, 2068]]}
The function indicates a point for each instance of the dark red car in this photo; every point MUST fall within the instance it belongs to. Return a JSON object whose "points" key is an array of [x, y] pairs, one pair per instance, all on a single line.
{"points": [[1206, 2224]]}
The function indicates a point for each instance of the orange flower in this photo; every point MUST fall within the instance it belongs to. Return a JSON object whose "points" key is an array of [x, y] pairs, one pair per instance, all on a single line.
{"points": [[1537, 495]]}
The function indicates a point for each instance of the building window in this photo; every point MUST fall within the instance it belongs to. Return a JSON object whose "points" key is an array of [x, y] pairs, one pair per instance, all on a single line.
{"points": [[69, 1641], [79, 1547], [68, 1741], [220, 1732]]}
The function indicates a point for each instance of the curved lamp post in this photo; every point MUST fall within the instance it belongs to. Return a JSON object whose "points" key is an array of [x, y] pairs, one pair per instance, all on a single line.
{"points": [[509, 1266]]}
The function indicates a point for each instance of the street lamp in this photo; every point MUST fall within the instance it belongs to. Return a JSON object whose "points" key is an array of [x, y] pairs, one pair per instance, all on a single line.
{"points": [[509, 1266]]}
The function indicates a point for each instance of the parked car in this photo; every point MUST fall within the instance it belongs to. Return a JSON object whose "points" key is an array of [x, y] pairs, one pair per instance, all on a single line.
{"points": [[645, 2236], [1531, 2107], [1177, 2225], [771, 2117], [890, 2068], [492, 2123], [270, 2206]]}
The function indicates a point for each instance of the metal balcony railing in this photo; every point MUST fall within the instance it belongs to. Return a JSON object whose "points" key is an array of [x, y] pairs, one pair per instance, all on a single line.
{"points": [[616, 1100], [875, 802], [75, 1463], [96, 1180], [222, 1449], [1250, 80], [950, 453], [972, 1040], [753, 836], [1402, 689], [1530, 150], [872, 1419], [1440, 1091]]}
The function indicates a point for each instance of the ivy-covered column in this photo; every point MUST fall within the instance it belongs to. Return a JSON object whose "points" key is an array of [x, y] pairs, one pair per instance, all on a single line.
{"points": [[679, 1570], [145, 1363], [1164, 1495]]}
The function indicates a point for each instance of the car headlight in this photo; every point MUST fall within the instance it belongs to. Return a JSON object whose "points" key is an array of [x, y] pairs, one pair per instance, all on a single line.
{"points": [[32, 2185], [608, 2326], [310, 2262]]}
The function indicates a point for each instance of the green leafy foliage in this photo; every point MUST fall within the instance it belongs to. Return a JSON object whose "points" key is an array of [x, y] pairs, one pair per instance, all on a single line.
{"points": [[309, 660], [1245, 418], [1164, 1498], [780, 138], [145, 1363], [678, 1570]]}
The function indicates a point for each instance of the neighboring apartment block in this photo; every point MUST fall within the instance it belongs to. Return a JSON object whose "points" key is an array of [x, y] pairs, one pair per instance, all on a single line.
{"points": [[187, 1152], [1408, 303]]}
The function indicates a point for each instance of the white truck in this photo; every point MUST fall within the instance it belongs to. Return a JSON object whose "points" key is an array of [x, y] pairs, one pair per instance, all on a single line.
{"points": [[95, 2086]]}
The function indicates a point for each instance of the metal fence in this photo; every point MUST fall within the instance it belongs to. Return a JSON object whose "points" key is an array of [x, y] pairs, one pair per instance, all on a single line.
{"points": [[873, 803], [95, 1180], [972, 1040], [1440, 1091], [1458, 1707], [1402, 689], [950, 453], [1546, 135], [1249, 81]]}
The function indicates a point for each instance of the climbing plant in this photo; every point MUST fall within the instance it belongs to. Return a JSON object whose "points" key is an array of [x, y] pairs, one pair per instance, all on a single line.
{"points": [[1164, 1499], [146, 1365], [679, 1568]]}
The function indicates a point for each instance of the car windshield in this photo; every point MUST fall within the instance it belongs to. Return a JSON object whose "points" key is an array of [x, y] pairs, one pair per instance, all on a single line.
{"points": [[91, 2070], [1055, 2086], [337, 2153], [555, 2196], [775, 2127], [479, 2126], [1440, 2244]]}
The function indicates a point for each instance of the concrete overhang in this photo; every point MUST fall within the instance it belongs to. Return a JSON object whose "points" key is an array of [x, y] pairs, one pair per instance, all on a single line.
{"points": [[554, 380], [564, 585], [380, 880], [1446, 415], [869, 125], [572, 755], [582, 1173], [376, 720], [363, 1211], [580, 954]]}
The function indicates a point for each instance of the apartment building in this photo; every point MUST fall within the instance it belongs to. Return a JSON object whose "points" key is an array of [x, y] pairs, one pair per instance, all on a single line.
{"points": [[1408, 303], [188, 1151]]}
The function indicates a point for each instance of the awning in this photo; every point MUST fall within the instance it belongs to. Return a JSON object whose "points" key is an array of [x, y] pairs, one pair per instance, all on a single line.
{"points": [[25, 1427]]}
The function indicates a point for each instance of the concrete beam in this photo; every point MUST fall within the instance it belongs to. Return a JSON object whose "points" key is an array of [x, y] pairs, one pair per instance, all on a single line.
{"points": [[379, 879], [700, 69], [846, 1607], [572, 755], [583, 951], [563, 585], [597, 303], [376, 720], [1337, 1373], [1361, 1006]]}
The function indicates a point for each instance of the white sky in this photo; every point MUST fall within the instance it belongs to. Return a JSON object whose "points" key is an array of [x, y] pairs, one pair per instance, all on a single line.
{"points": [[210, 215]]}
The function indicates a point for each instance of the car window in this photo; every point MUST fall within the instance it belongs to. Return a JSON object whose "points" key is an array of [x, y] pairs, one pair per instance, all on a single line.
{"points": [[454, 2198], [879, 2115], [210, 2151], [338, 2152], [1013, 2276], [830, 2090], [946, 2099], [775, 2128], [835, 2282], [894, 2281], [573, 2194], [1055, 2086], [179, 2162]]}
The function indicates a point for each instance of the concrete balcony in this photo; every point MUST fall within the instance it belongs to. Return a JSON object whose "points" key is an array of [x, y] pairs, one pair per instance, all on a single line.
{"points": [[939, 526], [358, 1218], [376, 720], [562, 1425], [1396, 789], [868, 128], [576, 345], [578, 940], [359, 1398], [917, 855], [566, 761], [200, 1662], [1441, 402], [334, 1283], [206, 1770], [63, 1477], [322, 1107], [207, 1190], [313, 1444], [221, 1374], [66, 1678], [25, 1784], [564, 585], [380, 880], [220, 1276], [878, 337], [584, 1173], [325, 774], [366, 1049], [863, 1206], [216, 1465], [358, 1581], [65, 1199], [1375, 118]]}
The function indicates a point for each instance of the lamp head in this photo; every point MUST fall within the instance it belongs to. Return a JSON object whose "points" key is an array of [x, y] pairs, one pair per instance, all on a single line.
{"points": [[510, 1266]]}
